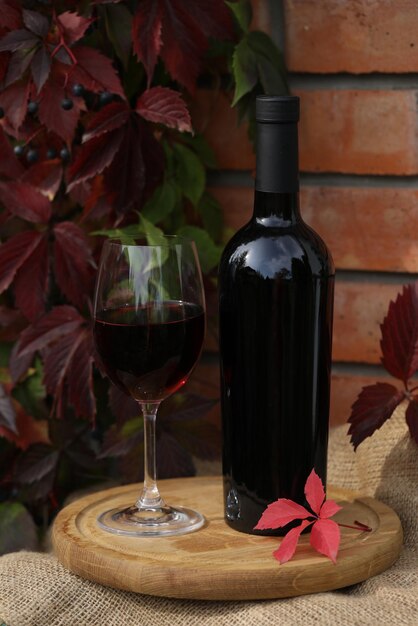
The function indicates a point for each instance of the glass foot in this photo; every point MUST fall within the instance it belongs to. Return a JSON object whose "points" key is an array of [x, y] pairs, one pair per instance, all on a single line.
{"points": [[151, 522]]}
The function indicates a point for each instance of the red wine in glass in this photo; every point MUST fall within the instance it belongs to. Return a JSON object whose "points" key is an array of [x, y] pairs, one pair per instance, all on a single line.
{"points": [[149, 325]]}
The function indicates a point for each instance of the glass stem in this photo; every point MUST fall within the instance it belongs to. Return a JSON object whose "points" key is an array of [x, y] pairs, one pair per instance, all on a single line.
{"points": [[150, 497]]}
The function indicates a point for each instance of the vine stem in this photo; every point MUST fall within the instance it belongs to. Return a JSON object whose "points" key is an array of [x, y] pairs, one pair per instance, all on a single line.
{"points": [[359, 526]]}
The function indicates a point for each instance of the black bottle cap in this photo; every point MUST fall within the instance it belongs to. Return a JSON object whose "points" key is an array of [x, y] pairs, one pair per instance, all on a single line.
{"points": [[277, 109]]}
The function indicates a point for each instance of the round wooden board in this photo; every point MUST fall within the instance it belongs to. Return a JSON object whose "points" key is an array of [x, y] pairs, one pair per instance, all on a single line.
{"points": [[215, 562]]}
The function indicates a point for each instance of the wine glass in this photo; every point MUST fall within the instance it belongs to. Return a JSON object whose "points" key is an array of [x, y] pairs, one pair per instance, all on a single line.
{"points": [[149, 325]]}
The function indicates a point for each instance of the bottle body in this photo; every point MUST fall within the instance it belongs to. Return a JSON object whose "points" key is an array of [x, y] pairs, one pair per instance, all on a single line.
{"points": [[276, 305], [276, 286]]}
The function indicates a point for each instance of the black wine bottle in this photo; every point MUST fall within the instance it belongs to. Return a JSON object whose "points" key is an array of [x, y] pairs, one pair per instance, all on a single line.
{"points": [[276, 284]]}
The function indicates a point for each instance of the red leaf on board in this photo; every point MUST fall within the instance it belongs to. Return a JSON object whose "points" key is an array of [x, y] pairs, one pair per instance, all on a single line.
{"points": [[111, 117], [35, 22], [46, 176], [314, 492], [13, 253], [179, 32], [412, 418], [31, 282], [372, 408], [14, 102], [60, 321], [10, 165], [23, 200], [289, 542], [73, 26], [280, 513], [95, 71], [399, 341], [329, 509], [325, 538], [73, 262], [164, 106]]}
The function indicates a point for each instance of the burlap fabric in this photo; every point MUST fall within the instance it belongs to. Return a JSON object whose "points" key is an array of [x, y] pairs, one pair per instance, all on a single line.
{"points": [[35, 590]]}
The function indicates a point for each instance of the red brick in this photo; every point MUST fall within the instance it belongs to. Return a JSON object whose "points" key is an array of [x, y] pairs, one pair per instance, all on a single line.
{"points": [[357, 223], [359, 131], [212, 114], [356, 37], [359, 310]]}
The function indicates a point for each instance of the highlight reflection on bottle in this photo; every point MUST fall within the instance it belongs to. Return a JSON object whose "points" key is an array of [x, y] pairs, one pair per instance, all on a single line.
{"points": [[276, 283]]}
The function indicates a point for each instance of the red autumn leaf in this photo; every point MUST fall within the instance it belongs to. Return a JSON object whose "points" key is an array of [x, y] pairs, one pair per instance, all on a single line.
{"points": [[46, 176], [19, 365], [164, 106], [14, 102], [39, 460], [35, 22], [41, 67], [289, 542], [60, 321], [95, 71], [80, 378], [30, 430], [23, 200], [51, 114], [13, 253], [31, 282], [280, 513], [372, 408], [73, 26], [7, 411], [10, 165], [412, 418], [111, 117], [329, 509], [20, 39], [11, 17], [95, 156], [325, 538], [73, 262], [18, 64], [314, 492], [399, 341], [179, 32]]}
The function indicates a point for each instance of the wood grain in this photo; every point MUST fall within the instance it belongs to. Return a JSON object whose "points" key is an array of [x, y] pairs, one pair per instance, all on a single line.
{"points": [[217, 563]]}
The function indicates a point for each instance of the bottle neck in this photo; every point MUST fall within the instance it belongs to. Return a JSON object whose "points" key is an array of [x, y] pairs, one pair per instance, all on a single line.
{"points": [[277, 174]]}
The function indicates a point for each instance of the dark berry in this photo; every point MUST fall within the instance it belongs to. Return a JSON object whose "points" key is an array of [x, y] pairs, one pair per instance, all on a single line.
{"points": [[33, 108], [1, 113], [32, 155], [67, 104], [51, 153], [78, 90], [65, 154], [105, 97], [19, 150]]}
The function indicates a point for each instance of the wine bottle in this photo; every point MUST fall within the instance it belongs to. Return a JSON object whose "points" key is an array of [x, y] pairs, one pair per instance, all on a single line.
{"points": [[276, 284]]}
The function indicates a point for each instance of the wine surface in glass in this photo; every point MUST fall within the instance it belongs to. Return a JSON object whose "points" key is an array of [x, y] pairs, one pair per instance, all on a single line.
{"points": [[149, 351]]}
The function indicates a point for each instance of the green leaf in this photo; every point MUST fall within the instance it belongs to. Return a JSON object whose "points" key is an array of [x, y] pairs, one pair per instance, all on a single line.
{"points": [[270, 66], [153, 234], [31, 392], [211, 213], [161, 203], [203, 150], [127, 235], [243, 13], [17, 528], [119, 30], [244, 67], [190, 173], [209, 252], [132, 426]]}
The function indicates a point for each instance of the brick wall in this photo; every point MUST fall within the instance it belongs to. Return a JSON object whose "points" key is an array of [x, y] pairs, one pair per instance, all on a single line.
{"points": [[355, 66]]}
